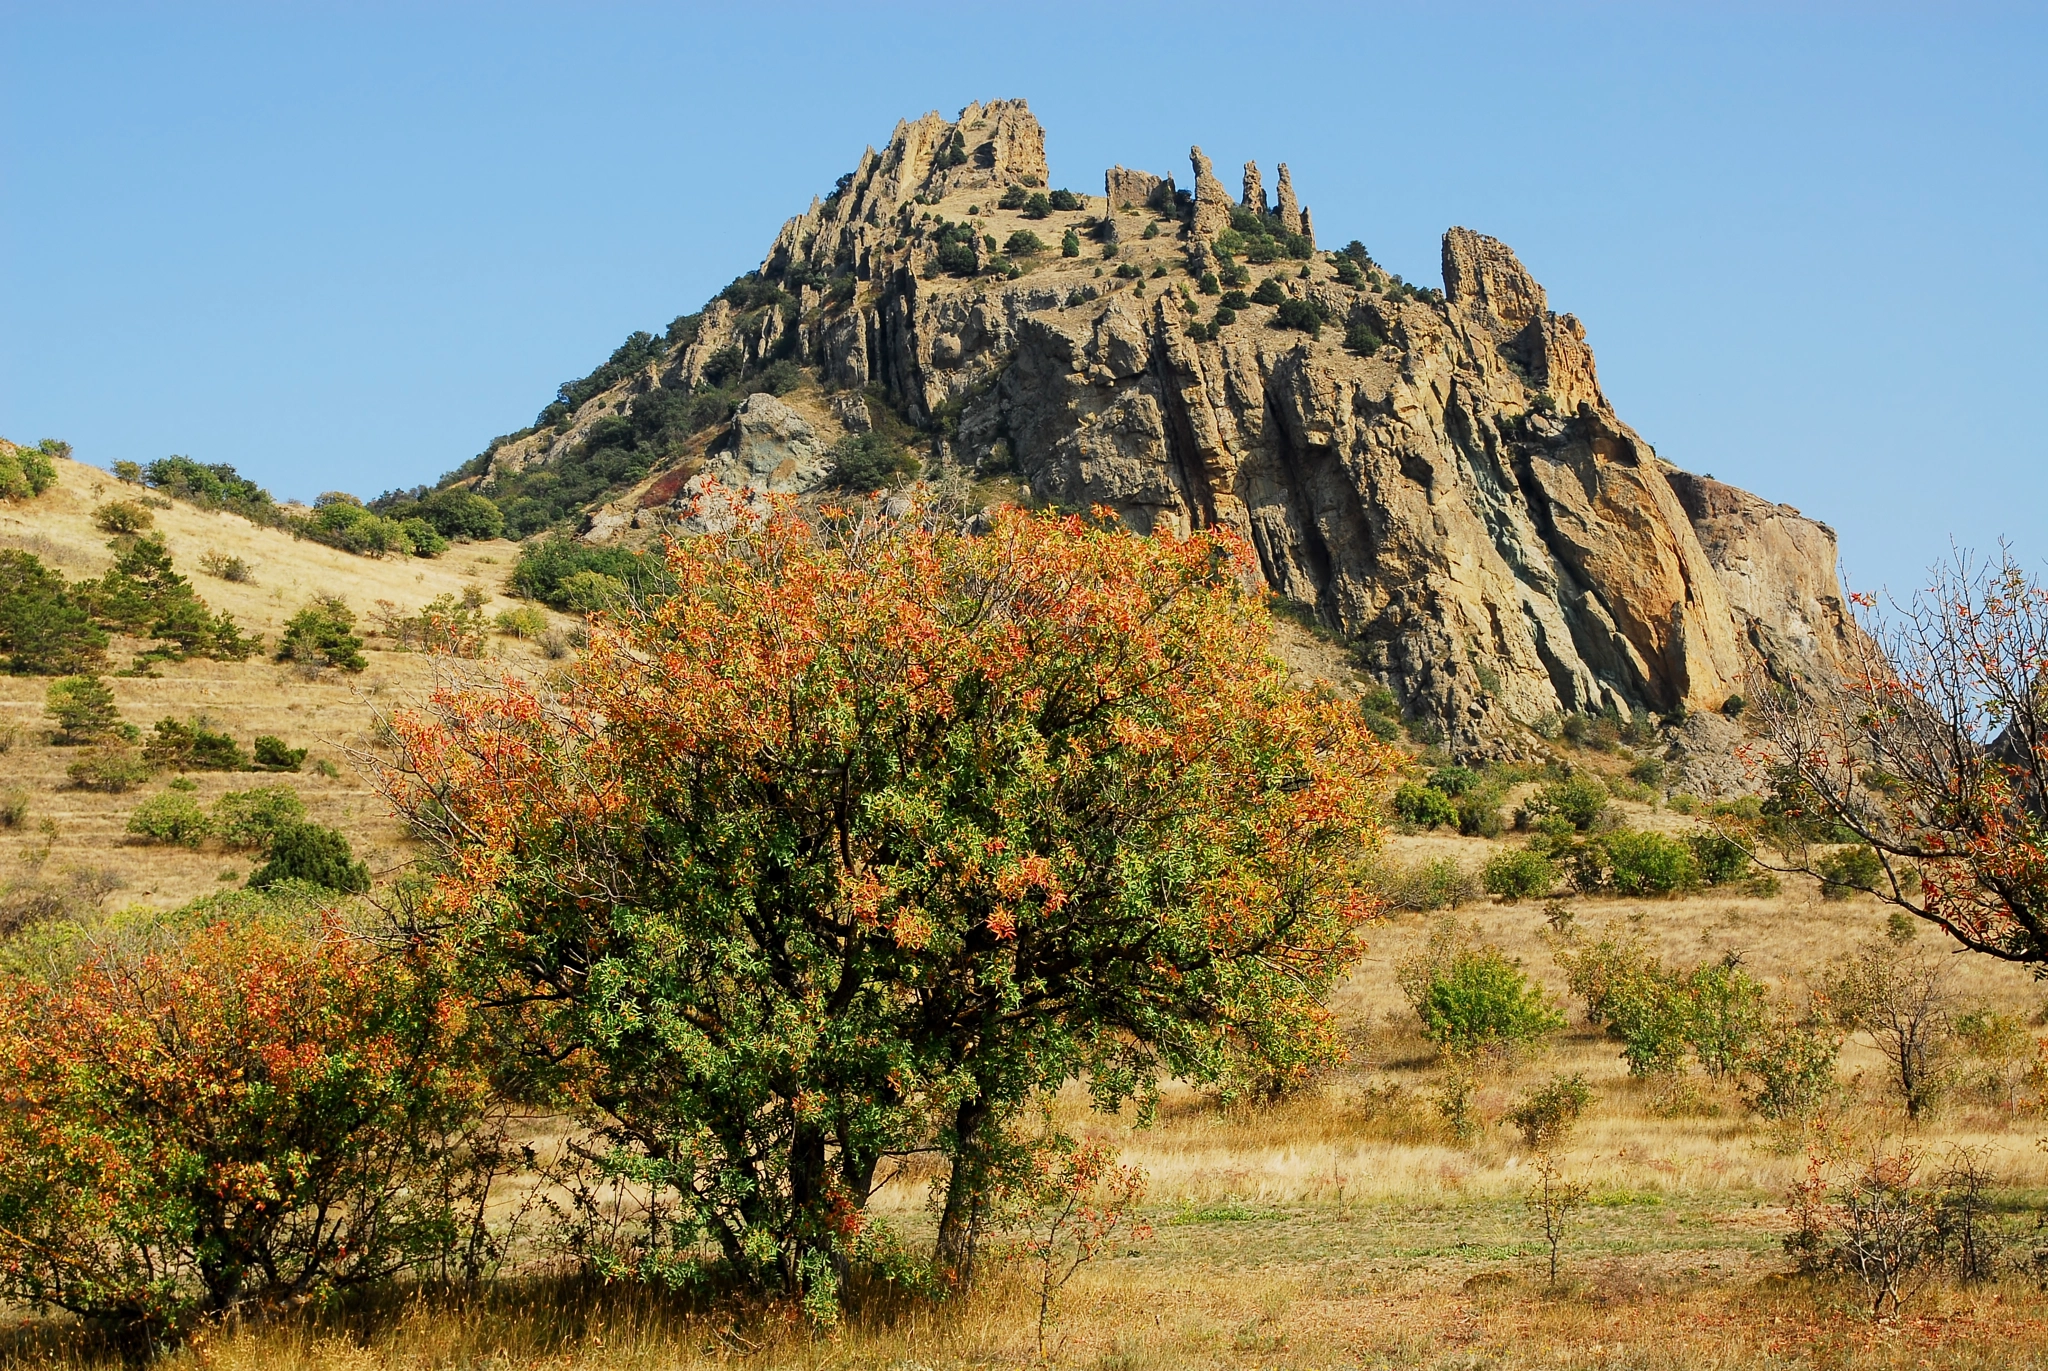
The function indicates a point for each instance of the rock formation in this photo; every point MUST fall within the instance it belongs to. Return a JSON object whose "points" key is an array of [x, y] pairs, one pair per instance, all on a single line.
{"points": [[1254, 189], [1435, 475]]}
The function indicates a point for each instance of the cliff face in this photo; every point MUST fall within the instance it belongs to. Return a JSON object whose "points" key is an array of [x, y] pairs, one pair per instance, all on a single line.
{"points": [[1437, 474]]}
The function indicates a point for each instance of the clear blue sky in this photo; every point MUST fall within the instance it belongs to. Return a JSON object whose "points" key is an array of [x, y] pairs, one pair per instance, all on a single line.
{"points": [[341, 246]]}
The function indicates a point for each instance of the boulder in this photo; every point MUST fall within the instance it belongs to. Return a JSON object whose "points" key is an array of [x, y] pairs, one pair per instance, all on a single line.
{"points": [[771, 448]]}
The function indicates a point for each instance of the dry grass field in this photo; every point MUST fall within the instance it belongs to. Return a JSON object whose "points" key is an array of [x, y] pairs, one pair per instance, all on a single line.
{"points": [[1343, 1228]]}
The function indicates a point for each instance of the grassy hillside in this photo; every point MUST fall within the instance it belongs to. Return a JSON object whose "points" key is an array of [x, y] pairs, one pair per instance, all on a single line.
{"points": [[73, 837]]}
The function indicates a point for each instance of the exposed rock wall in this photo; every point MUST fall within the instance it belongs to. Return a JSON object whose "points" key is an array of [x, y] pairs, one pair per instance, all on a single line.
{"points": [[1462, 502]]}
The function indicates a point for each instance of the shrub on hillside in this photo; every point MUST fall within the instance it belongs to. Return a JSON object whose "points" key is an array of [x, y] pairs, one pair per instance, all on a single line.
{"points": [[462, 514], [272, 754], [1648, 863], [446, 624], [1070, 244], [545, 564], [110, 767], [215, 486], [522, 621], [1023, 243], [192, 745], [323, 634], [311, 854], [864, 462], [26, 472], [1473, 999], [1424, 887], [46, 625], [237, 1117], [252, 819], [1424, 806], [83, 709], [1578, 801], [122, 517], [172, 817], [1521, 874], [1849, 871]]}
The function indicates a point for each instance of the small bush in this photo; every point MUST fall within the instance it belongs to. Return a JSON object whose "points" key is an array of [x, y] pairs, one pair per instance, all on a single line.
{"points": [[1423, 806], [1070, 244], [1522, 874], [1269, 292], [252, 819], [171, 818], [1546, 1116], [1066, 200], [1023, 243], [1473, 999], [524, 621], [26, 472], [1577, 800], [1425, 887], [1849, 871], [1649, 863], [273, 755], [1649, 771], [83, 710], [227, 568], [322, 635], [122, 516], [865, 462], [312, 854], [1720, 858], [109, 767], [192, 746], [236, 1118], [555, 644], [13, 808]]}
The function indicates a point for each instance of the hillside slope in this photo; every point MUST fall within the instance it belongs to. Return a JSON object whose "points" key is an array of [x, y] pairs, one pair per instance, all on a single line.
{"points": [[1436, 475], [70, 836]]}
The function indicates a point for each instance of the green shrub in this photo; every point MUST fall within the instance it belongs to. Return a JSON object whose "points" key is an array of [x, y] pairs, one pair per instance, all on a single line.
{"points": [[1649, 771], [1472, 998], [122, 516], [1208, 284], [1578, 800], [1362, 338], [1720, 858], [1849, 871], [1037, 205], [865, 462], [1269, 292], [84, 711], [251, 819], [273, 755], [109, 767], [1479, 814], [226, 567], [1023, 243], [1729, 1013], [171, 818], [312, 854], [46, 625], [591, 592], [215, 486], [1648, 863], [1547, 1115], [192, 746], [1453, 780], [546, 564], [1789, 1068], [26, 472], [422, 538], [1013, 198], [1423, 806], [1066, 200], [524, 621], [323, 634], [1521, 874], [1425, 887], [462, 514], [1070, 244]]}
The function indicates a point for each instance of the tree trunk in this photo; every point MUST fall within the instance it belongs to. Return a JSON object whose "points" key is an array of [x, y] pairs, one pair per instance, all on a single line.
{"points": [[966, 1197]]}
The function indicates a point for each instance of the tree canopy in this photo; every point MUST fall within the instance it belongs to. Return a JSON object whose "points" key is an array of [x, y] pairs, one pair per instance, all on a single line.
{"points": [[870, 831]]}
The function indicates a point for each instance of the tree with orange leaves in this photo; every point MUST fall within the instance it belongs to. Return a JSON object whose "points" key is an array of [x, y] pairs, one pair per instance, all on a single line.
{"points": [[1932, 759], [872, 830]]}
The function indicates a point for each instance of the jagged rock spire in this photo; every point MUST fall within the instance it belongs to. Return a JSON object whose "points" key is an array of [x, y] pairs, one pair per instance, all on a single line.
{"points": [[1254, 189], [1290, 212]]}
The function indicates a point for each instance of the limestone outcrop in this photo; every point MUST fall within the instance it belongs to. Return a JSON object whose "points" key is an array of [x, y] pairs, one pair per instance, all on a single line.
{"points": [[1435, 475]]}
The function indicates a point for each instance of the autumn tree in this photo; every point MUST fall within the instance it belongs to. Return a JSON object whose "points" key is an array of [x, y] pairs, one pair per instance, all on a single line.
{"points": [[870, 831], [1934, 757]]}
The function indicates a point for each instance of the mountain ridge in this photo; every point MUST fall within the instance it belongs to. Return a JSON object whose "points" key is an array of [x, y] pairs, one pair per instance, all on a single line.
{"points": [[1435, 475]]}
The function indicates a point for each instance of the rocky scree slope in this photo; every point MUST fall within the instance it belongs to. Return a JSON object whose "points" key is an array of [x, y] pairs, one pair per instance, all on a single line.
{"points": [[1436, 475]]}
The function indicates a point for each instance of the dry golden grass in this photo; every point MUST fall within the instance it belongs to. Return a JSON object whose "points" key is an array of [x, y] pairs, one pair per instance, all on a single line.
{"points": [[1344, 1228], [71, 830]]}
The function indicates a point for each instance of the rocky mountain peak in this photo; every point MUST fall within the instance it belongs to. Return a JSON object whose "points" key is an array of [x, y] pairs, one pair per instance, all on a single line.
{"points": [[1434, 475]]}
